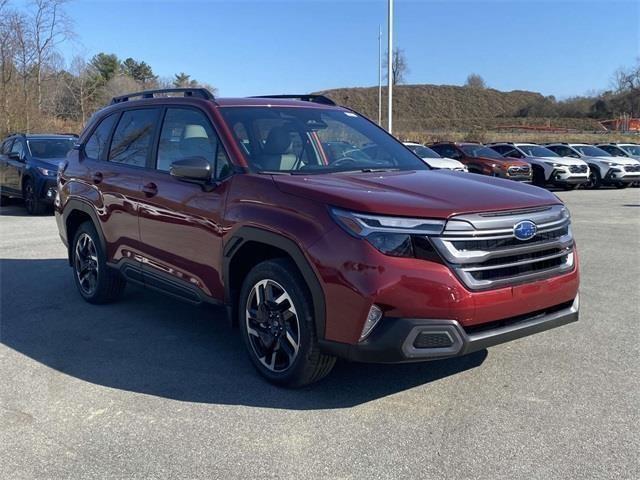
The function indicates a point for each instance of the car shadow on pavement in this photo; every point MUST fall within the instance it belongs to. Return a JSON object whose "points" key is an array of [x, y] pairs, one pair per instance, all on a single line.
{"points": [[151, 344]]}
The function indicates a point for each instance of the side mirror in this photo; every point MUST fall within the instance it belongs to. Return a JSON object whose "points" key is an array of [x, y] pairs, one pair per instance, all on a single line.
{"points": [[15, 156], [192, 170]]}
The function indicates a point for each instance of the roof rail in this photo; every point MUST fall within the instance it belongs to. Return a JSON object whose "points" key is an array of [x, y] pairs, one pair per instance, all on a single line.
{"points": [[187, 92], [305, 98]]}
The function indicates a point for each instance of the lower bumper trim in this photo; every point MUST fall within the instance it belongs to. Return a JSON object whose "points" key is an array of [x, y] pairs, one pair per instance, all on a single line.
{"points": [[393, 340]]}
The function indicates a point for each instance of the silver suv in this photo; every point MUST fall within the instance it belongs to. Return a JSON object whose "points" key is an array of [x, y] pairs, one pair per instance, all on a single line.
{"points": [[605, 169], [548, 167]]}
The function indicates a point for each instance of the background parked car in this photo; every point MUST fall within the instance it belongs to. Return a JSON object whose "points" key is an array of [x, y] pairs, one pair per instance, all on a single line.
{"points": [[28, 168], [434, 160], [548, 168], [483, 160], [604, 168]]}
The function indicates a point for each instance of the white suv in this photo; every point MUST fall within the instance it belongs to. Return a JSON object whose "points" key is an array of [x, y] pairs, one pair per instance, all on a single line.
{"points": [[548, 168], [434, 160], [605, 169]]}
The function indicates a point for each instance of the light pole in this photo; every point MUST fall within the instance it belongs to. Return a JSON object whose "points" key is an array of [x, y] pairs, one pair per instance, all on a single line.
{"points": [[390, 66], [379, 75]]}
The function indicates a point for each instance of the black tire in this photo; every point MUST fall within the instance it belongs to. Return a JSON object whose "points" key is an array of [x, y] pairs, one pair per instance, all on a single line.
{"points": [[570, 186], [595, 180], [621, 185], [33, 204], [107, 284], [290, 366], [537, 177]]}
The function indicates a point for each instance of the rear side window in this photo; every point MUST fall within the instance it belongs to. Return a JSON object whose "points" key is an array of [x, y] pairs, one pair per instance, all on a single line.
{"points": [[6, 147], [448, 151], [96, 146], [133, 137], [502, 149], [188, 133]]}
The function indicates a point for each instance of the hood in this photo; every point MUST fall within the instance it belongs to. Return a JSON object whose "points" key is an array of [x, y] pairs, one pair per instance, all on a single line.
{"points": [[49, 162], [426, 194], [618, 160], [561, 160], [444, 162]]}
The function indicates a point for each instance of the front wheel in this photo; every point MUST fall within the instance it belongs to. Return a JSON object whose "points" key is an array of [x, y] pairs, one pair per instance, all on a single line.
{"points": [[33, 204], [595, 181], [277, 325], [96, 282], [570, 186], [621, 185]]}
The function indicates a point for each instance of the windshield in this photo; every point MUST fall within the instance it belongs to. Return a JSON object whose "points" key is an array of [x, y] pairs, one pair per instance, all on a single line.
{"points": [[537, 151], [480, 151], [50, 147], [631, 149], [423, 152], [313, 140], [590, 151]]}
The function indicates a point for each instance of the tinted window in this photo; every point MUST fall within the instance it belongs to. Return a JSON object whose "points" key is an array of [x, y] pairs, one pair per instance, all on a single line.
{"points": [[188, 133], [423, 152], [591, 151], [18, 148], [133, 137], [564, 151], [448, 151], [50, 147], [480, 151], [502, 149], [631, 149], [96, 146], [537, 151], [6, 147]]}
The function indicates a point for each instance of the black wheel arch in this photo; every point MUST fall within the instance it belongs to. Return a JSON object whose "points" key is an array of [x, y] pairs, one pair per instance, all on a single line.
{"points": [[271, 244], [75, 213]]}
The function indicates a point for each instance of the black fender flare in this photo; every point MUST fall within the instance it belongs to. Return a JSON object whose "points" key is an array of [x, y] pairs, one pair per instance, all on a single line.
{"points": [[75, 204], [254, 234]]}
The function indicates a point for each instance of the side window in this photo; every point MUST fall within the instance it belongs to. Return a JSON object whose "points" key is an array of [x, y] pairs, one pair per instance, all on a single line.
{"points": [[6, 147], [96, 146], [447, 151], [502, 149], [18, 148], [133, 137], [188, 133], [513, 153]]}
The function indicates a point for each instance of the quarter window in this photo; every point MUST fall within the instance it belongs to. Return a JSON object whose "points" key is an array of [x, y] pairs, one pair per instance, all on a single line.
{"points": [[96, 146], [6, 147], [133, 137]]}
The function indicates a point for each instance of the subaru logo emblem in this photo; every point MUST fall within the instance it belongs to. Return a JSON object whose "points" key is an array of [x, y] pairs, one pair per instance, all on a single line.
{"points": [[525, 230]]}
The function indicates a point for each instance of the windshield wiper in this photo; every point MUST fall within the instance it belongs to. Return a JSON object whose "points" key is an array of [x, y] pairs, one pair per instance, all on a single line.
{"points": [[369, 170]]}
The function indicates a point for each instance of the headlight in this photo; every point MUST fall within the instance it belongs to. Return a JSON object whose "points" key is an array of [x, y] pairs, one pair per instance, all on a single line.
{"points": [[613, 164], [47, 172], [390, 235], [556, 165]]}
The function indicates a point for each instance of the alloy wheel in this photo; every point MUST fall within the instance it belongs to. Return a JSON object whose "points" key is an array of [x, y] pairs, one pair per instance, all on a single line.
{"points": [[86, 264], [272, 325], [29, 197]]}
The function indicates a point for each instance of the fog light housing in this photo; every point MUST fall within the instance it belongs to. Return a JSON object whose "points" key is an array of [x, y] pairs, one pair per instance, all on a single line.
{"points": [[374, 316], [51, 193]]}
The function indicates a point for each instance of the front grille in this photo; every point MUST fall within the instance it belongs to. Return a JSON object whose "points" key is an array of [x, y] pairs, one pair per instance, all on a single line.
{"points": [[578, 169], [524, 170], [484, 252], [632, 168]]}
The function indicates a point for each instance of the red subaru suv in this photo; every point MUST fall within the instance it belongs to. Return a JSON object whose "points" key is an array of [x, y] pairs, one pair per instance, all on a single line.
{"points": [[483, 160], [370, 256]]}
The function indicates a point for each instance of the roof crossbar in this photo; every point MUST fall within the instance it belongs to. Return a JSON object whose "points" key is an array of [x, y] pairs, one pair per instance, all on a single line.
{"points": [[186, 92]]}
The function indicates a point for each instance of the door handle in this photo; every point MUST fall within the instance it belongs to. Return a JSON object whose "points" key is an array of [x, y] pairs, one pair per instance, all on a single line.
{"points": [[150, 189], [97, 177]]}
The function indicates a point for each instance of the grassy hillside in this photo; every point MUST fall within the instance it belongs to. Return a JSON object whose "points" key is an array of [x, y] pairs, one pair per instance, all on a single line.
{"points": [[428, 107]]}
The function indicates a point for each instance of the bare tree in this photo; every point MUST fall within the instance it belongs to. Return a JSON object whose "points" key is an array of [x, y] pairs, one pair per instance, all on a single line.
{"points": [[24, 61], [399, 67], [475, 81], [7, 53], [49, 27], [82, 85]]}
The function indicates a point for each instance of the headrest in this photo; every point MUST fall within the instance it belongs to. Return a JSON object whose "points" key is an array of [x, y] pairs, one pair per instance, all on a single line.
{"points": [[278, 141]]}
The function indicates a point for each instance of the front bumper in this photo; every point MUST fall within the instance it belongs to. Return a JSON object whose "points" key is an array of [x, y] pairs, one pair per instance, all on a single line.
{"points": [[620, 176], [563, 177], [47, 190], [401, 340]]}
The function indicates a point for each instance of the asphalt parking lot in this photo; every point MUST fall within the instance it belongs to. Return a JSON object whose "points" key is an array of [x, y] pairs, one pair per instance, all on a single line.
{"points": [[150, 387]]}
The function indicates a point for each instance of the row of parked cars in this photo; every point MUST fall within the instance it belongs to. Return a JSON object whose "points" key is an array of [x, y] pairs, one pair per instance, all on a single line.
{"points": [[565, 165]]}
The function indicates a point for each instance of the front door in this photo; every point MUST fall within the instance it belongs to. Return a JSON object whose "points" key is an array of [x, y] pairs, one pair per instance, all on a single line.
{"points": [[14, 167], [181, 223]]}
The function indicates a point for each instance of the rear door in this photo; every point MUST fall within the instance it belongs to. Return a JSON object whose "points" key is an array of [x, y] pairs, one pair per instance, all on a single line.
{"points": [[14, 167], [181, 224], [115, 157]]}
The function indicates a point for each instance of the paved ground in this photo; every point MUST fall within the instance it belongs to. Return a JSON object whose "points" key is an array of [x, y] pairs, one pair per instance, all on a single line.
{"points": [[153, 388]]}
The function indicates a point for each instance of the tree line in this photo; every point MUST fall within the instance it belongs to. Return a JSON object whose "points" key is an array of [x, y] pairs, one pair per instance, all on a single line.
{"points": [[39, 92]]}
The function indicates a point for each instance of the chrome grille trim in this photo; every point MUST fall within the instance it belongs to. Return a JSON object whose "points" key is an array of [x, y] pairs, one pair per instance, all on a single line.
{"points": [[480, 267]]}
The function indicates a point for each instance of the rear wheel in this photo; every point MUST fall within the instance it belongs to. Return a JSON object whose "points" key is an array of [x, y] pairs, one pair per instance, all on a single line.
{"points": [[570, 186], [33, 204], [96, 282], [277, 325]]}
